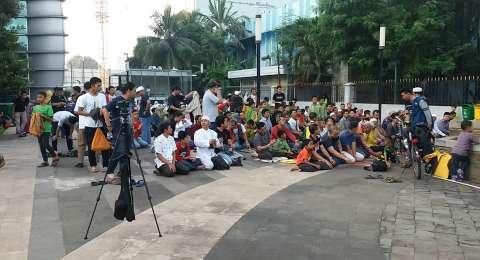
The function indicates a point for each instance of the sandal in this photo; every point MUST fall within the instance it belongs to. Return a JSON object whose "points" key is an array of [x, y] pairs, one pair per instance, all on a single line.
{"points": [[370, 177], [391, 180], [44, 164], [55, 162]]}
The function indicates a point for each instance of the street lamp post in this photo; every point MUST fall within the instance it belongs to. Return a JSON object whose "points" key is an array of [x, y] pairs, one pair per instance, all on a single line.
{"points": [[127, 67], [258, 41], [380, 88]]}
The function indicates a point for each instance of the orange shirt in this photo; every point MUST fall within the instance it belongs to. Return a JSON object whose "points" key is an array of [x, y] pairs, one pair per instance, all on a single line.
{"points": [[304, 156]]}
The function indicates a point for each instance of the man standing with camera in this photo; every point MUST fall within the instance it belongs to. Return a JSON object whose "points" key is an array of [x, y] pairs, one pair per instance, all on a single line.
{"points": [[118, 107]]}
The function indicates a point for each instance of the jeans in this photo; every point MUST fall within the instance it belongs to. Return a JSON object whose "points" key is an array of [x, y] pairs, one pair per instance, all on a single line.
{"points": [[120, 154], [139, 143], [146, 132], [68, 136], [462, 163], [92, 159], [44, 142], [20, 122]]}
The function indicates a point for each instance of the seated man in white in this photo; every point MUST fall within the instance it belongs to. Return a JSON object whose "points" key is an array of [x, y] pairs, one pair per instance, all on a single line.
{"points": [[206, 141]]}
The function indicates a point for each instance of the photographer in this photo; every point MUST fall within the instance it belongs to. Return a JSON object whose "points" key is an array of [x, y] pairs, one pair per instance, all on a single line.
{"points": [[121, 105]]}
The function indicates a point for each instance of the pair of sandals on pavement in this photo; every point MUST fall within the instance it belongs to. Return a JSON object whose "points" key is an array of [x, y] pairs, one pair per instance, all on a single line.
{"points": [[54, 163], [381, 177]]}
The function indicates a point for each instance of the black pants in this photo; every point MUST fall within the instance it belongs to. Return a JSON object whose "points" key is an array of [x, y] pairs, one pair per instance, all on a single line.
{"points": [[92, 159], [68, 136], [43, 141]]}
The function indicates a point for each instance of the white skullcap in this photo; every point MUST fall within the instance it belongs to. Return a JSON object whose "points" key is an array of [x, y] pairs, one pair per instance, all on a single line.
{"points": [[141, 88], [237, 92], [417, 90], [206, 118]]}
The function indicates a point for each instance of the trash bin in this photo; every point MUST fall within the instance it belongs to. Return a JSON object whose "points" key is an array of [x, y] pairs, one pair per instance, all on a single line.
{"points": [[6, 109], [468, 112], [477, 112]]}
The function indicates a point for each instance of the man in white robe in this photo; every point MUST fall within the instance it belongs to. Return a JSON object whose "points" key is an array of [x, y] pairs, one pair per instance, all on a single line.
{"points": [[206, 140]]}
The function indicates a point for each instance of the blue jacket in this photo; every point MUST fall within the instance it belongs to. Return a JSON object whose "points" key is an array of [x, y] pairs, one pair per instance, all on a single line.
{"points": [[419, 117]]}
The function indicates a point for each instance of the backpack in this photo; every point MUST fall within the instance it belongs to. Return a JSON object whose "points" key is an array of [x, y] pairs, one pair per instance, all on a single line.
{"points": [[219, 163], [379, 166], [36, 125]]}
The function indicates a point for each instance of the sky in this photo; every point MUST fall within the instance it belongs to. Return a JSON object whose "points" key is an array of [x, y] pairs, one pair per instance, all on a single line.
{"points": [[128, 19]]}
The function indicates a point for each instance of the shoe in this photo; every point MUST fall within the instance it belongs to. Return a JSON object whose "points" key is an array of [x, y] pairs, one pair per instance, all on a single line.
{"points": [[44, 164], [79, 165], [93, 169]]}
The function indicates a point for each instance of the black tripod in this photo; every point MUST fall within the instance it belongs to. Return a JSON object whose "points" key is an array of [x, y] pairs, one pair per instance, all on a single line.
{"points": [[122, 155]]}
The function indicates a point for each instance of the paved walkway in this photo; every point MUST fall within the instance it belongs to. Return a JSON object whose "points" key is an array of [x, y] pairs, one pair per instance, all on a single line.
{"points": [[16, 195], [192, 222], [259, 211]]}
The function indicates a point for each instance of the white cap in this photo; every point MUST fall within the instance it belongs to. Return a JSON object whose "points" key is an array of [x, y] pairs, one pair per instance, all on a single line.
{"points": [[332, 114], [434, 115], [373, 120], [206, 118], [237, 92], [417, 90], [141, 88]]}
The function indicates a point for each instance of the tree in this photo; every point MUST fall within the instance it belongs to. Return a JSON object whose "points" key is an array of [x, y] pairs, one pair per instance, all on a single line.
{"points": [[174, 47], [79, 62], [13, 65], [224, 21]]}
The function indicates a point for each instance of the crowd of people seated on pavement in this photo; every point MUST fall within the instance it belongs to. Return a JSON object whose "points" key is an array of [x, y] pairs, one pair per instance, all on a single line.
{"points": [[192, 133]]}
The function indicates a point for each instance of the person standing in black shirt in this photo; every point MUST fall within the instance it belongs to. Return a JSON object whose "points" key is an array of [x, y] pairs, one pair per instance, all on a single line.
{"points": [[58, 100], [279, 97], [20, 104], [175, 101]]}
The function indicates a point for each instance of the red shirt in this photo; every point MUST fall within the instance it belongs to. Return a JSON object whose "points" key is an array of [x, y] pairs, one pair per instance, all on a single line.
{"points": [[304, 156], [182, 152], [137, 128], [275, 130]]}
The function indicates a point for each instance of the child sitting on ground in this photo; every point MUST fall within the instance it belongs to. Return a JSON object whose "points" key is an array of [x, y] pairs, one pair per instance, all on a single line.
{"points": [[461, 152], [137, 131], [310, 161], [184, 159], [281, 148]]}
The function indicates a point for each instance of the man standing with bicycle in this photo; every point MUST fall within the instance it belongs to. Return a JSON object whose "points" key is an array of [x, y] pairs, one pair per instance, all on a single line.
{"points": [[420, 119]]}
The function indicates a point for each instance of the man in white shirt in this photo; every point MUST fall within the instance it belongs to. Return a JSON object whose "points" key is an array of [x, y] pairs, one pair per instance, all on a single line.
{"points": [[165, 148], [211, 99], [81, 129], [92, 107], [63, 120], [206, 140], [266, 120], [293, 123]]}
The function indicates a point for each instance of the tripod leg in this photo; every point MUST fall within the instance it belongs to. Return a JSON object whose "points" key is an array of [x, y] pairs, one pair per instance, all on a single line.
{"points": [[95, 208], [147, 190]]}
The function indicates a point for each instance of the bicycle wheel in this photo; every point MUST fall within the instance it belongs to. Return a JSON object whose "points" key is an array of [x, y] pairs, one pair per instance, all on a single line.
{"points": [[417, 162]]}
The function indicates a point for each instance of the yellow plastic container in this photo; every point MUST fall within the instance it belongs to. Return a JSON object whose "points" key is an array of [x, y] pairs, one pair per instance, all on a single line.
{"points": [[477, 112]]}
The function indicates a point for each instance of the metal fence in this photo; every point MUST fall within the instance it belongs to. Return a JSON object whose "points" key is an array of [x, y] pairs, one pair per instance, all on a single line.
{"points": [[439, 91]]}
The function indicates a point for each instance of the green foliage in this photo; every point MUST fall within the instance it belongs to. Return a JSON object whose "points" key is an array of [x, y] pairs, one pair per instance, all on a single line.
{"points": [[13, 65], [425, 38], [185, 40]]}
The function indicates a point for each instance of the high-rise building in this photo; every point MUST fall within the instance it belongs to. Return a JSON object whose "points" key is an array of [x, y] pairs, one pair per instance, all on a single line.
{"points": [[42, 39], [275, 15]]}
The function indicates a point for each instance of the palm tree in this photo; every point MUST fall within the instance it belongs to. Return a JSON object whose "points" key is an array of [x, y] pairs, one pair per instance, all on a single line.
{"points": [[224, 20], [173, 48]]}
